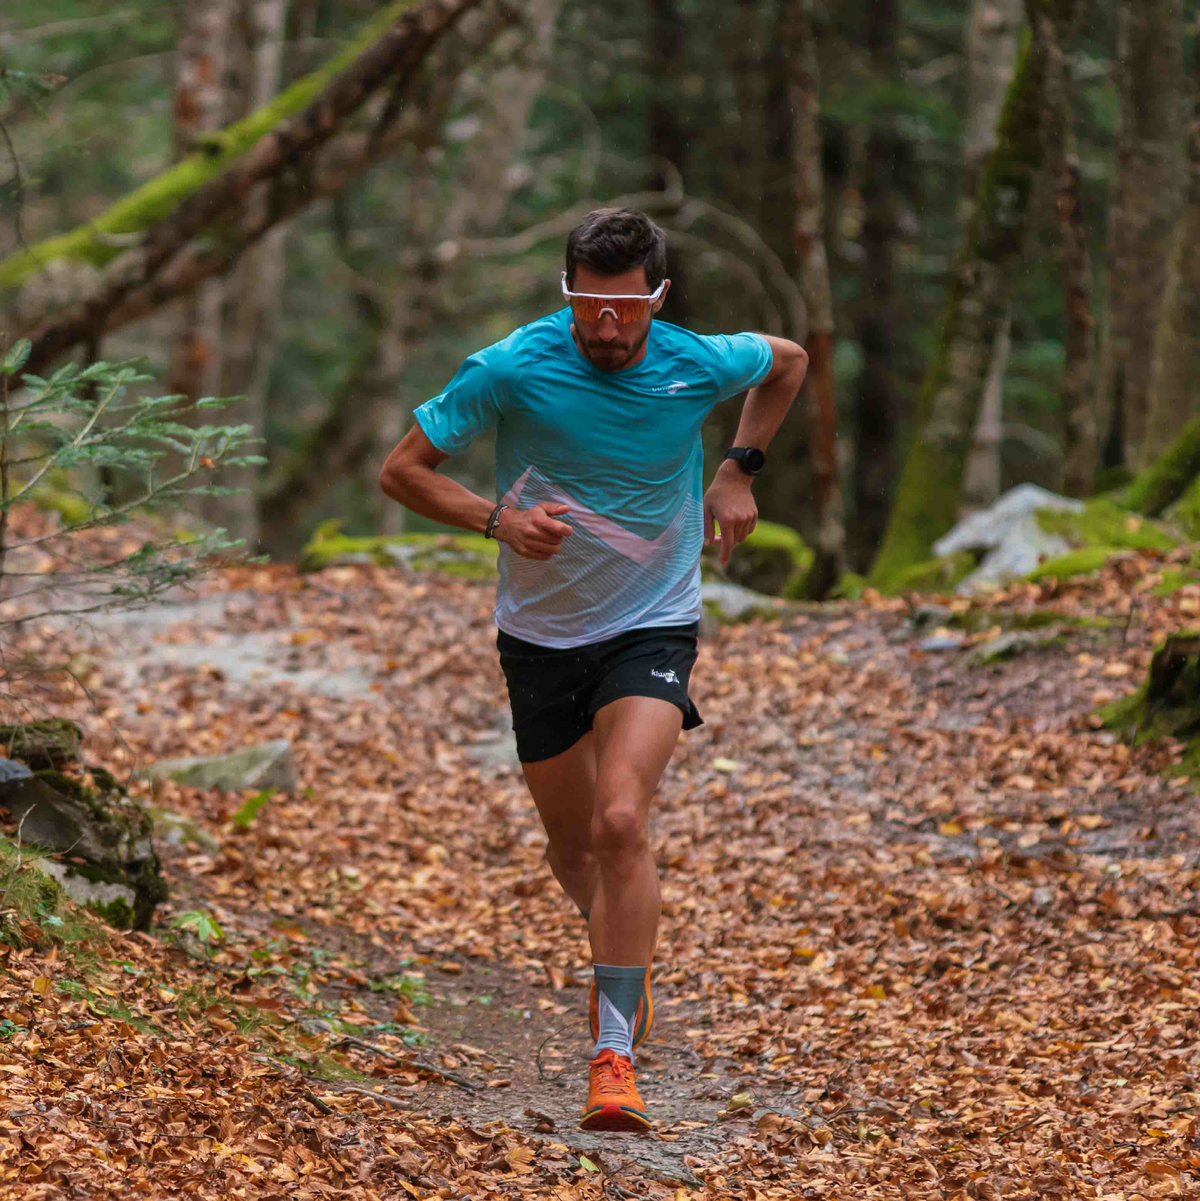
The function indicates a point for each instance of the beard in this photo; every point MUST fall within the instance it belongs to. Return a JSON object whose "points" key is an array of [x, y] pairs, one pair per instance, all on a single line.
{"points": [[611, 356]]}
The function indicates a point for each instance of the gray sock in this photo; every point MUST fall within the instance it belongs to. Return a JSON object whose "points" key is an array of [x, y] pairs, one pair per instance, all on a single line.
{"points": [[618, 991]]}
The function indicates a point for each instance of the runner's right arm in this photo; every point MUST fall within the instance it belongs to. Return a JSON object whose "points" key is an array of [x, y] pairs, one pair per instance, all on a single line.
{"points": [[411, 477]]}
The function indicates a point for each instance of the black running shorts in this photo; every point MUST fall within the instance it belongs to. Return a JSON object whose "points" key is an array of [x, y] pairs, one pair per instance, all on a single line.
{"points": [[556, 693]]}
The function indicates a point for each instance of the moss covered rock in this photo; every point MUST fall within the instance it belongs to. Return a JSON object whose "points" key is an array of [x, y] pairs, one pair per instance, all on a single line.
{"points": [[1102, 523], [774, 560], [111, 866], [469, 555], [53, 742], [1167, 705]]}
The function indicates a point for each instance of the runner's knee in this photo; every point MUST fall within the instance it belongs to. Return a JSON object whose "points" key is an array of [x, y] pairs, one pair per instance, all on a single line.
{"points": [[619, 831]]}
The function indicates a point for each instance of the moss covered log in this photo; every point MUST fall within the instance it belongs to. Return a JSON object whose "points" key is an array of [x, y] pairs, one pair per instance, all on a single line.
{"points": [[928, 493], [99, 240]]}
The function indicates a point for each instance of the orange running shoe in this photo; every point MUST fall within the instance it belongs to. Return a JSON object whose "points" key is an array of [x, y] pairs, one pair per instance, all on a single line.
{"points": [[643, 1018], [613, 1102]]}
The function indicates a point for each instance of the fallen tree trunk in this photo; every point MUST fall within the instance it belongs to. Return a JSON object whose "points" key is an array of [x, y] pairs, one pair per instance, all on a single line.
{"points": [[192, 220], [928, 494]]}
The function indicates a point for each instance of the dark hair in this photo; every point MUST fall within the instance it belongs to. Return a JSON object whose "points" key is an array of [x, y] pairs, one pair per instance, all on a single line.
{"points": [[613, 240]]}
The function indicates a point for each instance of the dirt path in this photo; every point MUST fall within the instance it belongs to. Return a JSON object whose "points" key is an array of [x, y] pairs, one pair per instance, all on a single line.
{"points": [[910, 905]]}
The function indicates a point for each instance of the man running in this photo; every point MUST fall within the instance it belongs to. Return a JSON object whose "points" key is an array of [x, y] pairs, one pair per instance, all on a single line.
{"points": [[597, 410]]}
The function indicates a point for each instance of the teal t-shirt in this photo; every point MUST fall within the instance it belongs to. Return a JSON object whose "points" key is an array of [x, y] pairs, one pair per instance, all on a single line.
{"points": [[622, 449]]}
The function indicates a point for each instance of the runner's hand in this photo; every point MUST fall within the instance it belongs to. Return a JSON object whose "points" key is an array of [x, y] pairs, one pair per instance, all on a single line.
{"points": [[729, 503], [533, 533]]}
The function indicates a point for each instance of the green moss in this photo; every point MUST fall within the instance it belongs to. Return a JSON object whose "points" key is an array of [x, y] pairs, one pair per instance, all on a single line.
{"points": [[1173, 581], [935, 575], [117, 913], [850, 587], [1185, 512], [1102, 523], [1075, 562], [70, 506], [456, 554], [975, 621], [1167, 705], [1169, 476], [774, 560]]}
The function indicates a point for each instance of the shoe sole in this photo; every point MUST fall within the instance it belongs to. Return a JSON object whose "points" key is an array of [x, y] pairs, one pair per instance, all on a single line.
{"points": [[614, 1117], [643, 1030]]}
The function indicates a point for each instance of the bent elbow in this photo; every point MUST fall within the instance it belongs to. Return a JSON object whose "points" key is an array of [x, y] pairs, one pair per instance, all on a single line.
{"points": [[391, 480]]}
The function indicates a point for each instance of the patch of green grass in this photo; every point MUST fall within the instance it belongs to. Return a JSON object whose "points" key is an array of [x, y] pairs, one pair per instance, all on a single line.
{"points": [[934, 575], [975, 621], [410, 987], [1173, 581]]}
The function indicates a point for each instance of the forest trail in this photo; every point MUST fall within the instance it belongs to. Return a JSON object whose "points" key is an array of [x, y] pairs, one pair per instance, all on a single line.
{"points": [[922, 932]]}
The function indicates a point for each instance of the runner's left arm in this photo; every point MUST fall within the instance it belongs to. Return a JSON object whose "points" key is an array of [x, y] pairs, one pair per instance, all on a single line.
{"points": [[729, 501]]}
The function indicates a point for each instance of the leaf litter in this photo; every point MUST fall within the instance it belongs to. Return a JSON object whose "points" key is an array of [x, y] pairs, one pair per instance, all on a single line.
{"points": [[929, 931]]}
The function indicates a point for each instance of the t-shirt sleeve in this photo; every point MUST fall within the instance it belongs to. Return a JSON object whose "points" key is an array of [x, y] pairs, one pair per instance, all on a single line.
{"points": [[470, 404], [738, 362]]}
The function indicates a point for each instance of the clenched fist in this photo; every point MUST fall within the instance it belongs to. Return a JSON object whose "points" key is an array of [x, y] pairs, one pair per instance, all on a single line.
{"points": [[533, 533]]}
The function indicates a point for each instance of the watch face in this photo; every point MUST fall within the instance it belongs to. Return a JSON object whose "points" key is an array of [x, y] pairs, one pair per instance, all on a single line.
{"points": [[754, 460]]}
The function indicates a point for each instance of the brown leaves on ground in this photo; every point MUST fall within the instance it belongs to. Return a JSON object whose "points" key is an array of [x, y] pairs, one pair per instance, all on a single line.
{"points": [[939, 930]]}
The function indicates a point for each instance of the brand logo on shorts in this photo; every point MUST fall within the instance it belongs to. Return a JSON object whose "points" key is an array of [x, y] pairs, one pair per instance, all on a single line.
{"points": [[668, 675]]}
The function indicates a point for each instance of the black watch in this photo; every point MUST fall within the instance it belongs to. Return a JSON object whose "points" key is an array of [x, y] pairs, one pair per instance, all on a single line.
{"points": [[750, 458]]}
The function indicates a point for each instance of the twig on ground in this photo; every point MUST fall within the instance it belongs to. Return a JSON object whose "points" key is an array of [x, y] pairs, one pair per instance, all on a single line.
{"points": [[317, 1103], [398, 1102], [1133, 606], [657, 1046], [538, 1058], [1037, 1118], [409, 1061]]}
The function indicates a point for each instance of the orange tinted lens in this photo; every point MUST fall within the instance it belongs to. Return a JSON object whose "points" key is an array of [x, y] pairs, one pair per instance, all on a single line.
{"points": [[627, 309]]}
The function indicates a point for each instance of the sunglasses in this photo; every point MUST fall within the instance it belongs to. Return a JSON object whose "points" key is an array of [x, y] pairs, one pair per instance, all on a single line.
{"points": [[591, 306]]}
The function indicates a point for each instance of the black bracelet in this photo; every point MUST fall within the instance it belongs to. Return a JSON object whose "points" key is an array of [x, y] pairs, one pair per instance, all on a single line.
{"points": [[493, 521]]}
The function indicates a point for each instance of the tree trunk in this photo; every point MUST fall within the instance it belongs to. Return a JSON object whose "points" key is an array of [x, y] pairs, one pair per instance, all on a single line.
{"points": [[1080, 439], [1167, 478], [1173, 391], [667, 138], [200, 107], [1145, 205], [877, 405], [813, 266], [993, 34], [930, 486], [174, 216]]}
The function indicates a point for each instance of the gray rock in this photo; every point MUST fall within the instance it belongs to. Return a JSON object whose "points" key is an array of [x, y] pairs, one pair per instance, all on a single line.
{"points": [[267, 766], [941, 642], [10, 770], [930, 615], [119, 875], [1003, 646], [1024, 546], [990, 527], [732, 602], [175, 829]]}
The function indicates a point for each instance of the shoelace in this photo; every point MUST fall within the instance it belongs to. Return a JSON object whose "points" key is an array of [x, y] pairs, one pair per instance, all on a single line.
{"points": [[612, 1083]]}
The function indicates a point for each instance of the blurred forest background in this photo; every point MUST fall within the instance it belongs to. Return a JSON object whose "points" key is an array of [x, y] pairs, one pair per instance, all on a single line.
{"points": [[980, 217]]}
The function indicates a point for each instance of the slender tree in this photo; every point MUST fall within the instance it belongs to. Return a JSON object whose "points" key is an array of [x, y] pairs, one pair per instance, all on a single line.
{"points": [[1080, 438], [928, 495], [993, 35], [877, 404], [813, 267], [1145, 205], [1173, 393]]}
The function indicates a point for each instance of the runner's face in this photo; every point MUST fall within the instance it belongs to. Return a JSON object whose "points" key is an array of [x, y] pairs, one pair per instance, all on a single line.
{"points": [[609, 344]]}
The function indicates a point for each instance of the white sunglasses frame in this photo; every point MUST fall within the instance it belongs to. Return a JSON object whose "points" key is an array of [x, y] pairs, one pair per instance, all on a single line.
{"points": [[651, 297]]}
